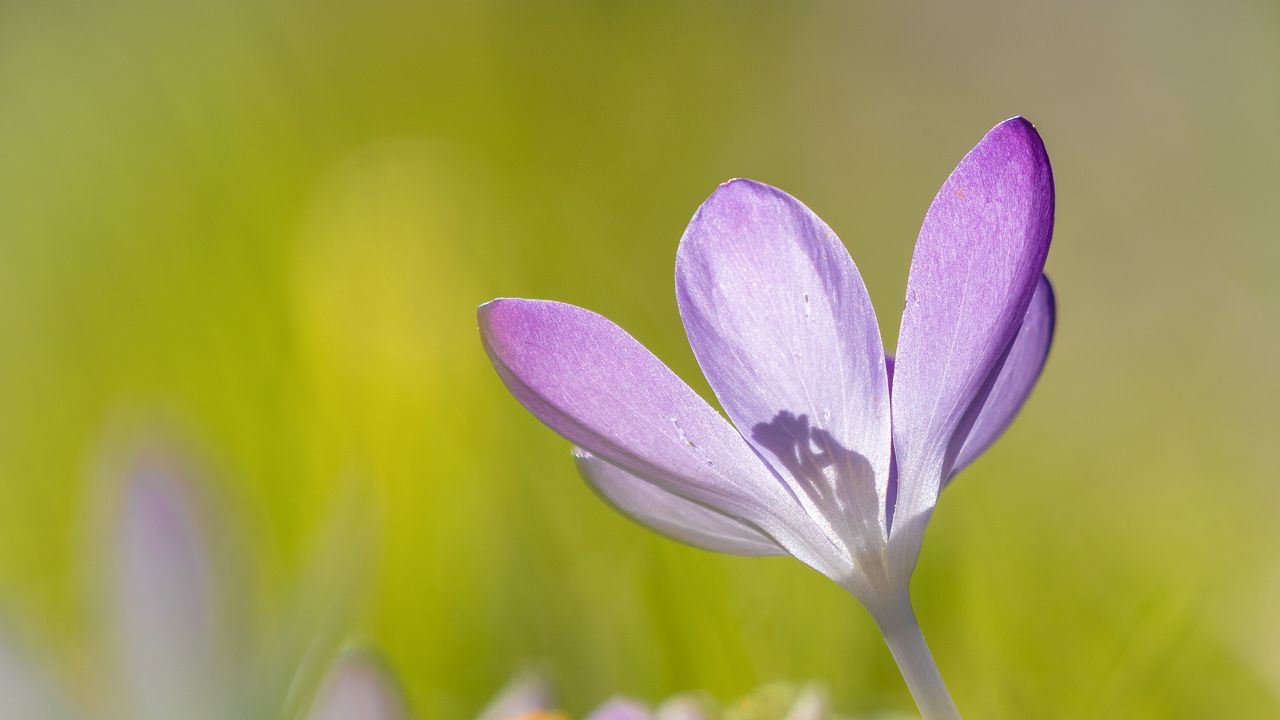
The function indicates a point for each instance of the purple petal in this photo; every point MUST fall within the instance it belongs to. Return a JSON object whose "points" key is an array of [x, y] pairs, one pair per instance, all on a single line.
{"points": [[784, 330], [358, 688], [164, 597], [1017, 376], [669, 514], [980, 254], [594, 384], [620, 709]]}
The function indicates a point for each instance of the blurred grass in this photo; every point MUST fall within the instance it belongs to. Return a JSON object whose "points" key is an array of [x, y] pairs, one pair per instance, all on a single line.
{"points": [[270, 224]]}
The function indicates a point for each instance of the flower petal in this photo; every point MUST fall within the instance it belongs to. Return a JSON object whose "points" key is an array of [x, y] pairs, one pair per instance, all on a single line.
{"points": [[525, 696], [980, 254], [671, 515], [1017, 376], [681, 707], [164, 596], [357, 686], [594, 384], [783, 328], [620, 709], [811, 704]]}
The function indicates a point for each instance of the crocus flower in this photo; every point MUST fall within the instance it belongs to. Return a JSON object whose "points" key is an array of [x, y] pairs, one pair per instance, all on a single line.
{"points": [[172, 649], [833, 454]]}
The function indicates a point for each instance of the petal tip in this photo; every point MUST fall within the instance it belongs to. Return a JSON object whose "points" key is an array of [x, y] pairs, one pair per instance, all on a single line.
{"points": [[746, 187], [495, 304], [485, 310], [1020, 121], [1050, 304], [498, 321], [1017, 133], [496, 312], [733, 203], [1019, 124], [739, 182]]}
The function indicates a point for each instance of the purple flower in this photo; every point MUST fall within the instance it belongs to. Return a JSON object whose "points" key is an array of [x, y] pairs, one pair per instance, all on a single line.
{"points": [[835, 454], [173, 648]]}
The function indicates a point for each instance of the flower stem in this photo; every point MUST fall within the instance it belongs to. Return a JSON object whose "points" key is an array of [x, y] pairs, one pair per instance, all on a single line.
{"points": [[901, 632]]}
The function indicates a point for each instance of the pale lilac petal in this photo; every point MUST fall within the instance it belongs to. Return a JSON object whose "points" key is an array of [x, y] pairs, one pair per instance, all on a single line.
{"points": [[784, 330], [163, 597], [1017, 376], [681, 707], [620, 709], [526, 695], [812, 704], [598, 387], [358, 687], [980, 254], [669, 514]]}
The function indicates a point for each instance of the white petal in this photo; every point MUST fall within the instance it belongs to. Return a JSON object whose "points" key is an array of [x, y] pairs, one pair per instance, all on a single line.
{"points": [[358, 688], [681, 708], [621, 709], [812, 704], [525, 695]]}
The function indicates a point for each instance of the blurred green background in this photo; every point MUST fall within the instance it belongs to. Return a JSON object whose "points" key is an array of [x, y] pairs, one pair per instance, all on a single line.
{"points": [[268, 225]]}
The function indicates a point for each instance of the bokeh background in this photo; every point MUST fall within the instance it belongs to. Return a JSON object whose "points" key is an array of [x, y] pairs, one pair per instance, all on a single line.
{"points": [[265, 227]]}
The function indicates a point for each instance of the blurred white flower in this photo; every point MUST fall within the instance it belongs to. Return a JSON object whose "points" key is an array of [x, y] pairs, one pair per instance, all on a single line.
{"points": [[529, 697]]}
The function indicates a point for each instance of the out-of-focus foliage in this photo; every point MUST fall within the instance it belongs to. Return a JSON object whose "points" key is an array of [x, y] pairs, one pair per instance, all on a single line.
{"points": [[267, 225]]}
